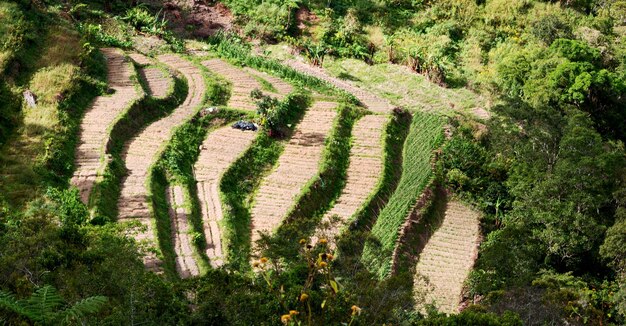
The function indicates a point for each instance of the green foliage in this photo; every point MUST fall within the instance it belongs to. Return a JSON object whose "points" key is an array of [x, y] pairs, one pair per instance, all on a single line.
{"points": [[45, 306], [96, 35], [424, 137], [474, 316], [238, 52]]}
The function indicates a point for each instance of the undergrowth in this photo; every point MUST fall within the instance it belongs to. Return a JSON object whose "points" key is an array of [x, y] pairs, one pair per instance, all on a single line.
{"points": [[424, 136], [243, 178]]}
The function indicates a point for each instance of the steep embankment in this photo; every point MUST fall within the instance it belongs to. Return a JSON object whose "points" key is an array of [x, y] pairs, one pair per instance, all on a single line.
{"points": [[143, 150], [99, 118], [448, 258], [296, 166]]}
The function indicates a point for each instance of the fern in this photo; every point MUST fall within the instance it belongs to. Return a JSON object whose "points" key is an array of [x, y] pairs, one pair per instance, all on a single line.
{"points": [[43, 306], [8, 302], [82, 309]]}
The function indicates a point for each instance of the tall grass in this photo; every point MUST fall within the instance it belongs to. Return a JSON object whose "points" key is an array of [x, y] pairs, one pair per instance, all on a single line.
{"points": [[425, 135]]}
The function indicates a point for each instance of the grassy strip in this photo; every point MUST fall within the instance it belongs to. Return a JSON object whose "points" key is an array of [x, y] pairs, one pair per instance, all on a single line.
{"points": [[105, 194], [239, 53], [320, 193], [243, 178], [350, 244], [45, 158], [424, 136], [175, 167]]}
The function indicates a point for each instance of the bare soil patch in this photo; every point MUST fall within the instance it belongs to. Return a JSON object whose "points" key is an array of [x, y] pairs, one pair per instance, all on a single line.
{"points": [[448, 258], [93, 135], [198, 18]]}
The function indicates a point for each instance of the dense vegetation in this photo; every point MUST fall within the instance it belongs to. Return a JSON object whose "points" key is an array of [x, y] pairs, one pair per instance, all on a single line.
{"points": [[546, 170]]}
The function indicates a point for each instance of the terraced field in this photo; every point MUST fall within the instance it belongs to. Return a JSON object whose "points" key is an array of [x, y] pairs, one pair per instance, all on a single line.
{"points": [[157, 81], [281, 87], [296, 166], [242, 83], [448, 258], [364, 171], [98, 121], [218, 151], [186, 265], [144, 149]]}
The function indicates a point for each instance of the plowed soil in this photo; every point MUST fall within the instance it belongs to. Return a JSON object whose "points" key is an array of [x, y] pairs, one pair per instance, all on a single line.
{"points": [[242, 82], [369, 100], [99, 118], [157, 81], [296, 166], [144, 149], [282, 88], [186, 265], [364, 170], [218, 151], [448, 258], [140, 59]]}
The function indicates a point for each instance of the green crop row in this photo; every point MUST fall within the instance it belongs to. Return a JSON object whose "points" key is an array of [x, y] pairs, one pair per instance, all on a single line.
{"points": [[425, 135]]}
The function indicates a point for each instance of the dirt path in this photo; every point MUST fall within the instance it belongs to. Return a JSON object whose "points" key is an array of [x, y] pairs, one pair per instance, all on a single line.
{"points": [[186, 265], [371, 101], [219, 150], [448, 258], [93, 135], [296, 166], [144, 149], [364, 171]]}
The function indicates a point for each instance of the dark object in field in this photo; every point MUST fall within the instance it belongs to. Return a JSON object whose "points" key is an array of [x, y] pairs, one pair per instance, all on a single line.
{"points": [[245, 125]]}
